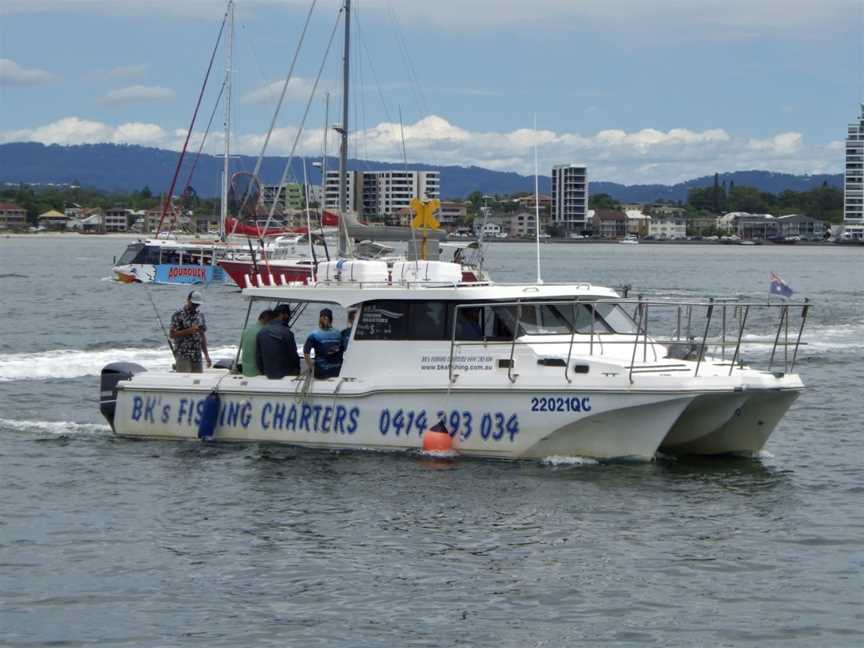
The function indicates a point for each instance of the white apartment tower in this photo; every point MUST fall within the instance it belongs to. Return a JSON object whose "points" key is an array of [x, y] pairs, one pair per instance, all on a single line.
{"points": [[331, 190], [570, 196], [853, 183], [382, 193]]}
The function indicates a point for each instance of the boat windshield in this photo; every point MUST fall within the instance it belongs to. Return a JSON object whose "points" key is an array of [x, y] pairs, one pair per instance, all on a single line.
{"points": [[613, 316], [553, 319], [131, 253]]}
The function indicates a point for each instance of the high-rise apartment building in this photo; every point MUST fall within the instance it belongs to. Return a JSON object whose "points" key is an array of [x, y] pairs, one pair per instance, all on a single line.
{"points": [[853, 182], [383, 193], [331, 190], [291, 197], [570, 197]]}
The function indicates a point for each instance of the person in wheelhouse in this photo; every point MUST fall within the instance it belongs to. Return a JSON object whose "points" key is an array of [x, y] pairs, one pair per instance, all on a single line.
{"points": [[327, 343]]}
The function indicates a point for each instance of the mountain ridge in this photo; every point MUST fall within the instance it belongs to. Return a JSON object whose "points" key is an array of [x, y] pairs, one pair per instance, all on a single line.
{"points": [[124, 167]]}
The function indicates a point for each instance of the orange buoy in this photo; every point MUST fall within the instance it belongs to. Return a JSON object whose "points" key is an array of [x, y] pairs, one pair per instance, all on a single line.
{"points": [[437, 439]]}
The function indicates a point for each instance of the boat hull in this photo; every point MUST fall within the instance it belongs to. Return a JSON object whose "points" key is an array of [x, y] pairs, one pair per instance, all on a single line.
{"points": [[501, 424], [738, 424], [168, 273], [245, 273]]}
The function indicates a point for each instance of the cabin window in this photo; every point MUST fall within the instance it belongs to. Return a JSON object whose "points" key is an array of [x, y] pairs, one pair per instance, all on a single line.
{"points": [[131, 254], [384, 320], [616, 318], [403, 320], [534, 319], [558, 319], [151, 256], [427, 321], [469, 323]]}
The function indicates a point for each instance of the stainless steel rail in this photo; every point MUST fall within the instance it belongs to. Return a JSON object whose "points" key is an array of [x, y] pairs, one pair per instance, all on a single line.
{"points": [[683, 316]]}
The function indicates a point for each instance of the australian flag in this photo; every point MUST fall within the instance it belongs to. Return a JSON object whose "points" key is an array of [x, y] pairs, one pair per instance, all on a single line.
{"points": [[779, 287]]}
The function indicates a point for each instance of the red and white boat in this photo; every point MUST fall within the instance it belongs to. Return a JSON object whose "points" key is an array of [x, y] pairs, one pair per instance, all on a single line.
{"points": [[293, 269], [288, 259]]}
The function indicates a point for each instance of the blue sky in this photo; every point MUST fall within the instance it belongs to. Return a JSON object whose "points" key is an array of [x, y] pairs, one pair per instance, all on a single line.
{"points": [[641, 91]]}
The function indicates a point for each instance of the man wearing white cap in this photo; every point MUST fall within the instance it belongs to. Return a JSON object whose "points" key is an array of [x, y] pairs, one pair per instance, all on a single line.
{"points": [[188, 330]]}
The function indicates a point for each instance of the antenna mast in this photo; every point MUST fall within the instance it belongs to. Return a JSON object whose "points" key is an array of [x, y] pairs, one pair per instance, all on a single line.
{"points": [[537, 201], [343, 152], [326, 132], [228, 74]]}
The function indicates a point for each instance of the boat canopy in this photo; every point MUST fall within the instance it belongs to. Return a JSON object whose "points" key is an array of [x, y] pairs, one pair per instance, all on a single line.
{"points": [[346, 295]]}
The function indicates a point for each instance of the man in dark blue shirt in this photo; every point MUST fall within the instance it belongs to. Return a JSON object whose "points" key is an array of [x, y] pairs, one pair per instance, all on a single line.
{"points": [[327, 343], [276, 352]]}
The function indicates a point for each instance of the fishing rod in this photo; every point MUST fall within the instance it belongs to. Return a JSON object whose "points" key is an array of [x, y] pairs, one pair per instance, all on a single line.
{"points": [[161, 325]]}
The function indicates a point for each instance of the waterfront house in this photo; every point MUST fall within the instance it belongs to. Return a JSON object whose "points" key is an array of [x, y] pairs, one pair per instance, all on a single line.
{"points": [[12, 216], [696, 225], [117, 219], [92, 222], [53, 220], [452, 214], [668, 228], [523, 224], [805, 227], [756, 227], [610, 223], [637, 222]]}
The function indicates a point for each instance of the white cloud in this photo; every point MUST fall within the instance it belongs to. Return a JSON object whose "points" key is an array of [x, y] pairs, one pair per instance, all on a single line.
{"points": [[13, 74], [645, 156], [121, 72], [138, 93], [297, 89]]}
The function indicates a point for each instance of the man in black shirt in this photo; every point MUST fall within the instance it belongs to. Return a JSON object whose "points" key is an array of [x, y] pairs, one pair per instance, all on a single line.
{"points": [[276, 354]]}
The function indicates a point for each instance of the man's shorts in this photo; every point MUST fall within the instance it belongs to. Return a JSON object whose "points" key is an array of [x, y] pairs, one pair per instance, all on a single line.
{"points": [[185, 365]]}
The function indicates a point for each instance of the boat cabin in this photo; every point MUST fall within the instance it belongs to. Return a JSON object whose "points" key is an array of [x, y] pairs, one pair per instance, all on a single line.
{"points": [[446, 329]]}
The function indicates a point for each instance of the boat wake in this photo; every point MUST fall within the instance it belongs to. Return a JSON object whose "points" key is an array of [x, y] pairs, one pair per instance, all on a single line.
{"points": [[846, 338], [54, 427], [561, 460], [75, 363]]}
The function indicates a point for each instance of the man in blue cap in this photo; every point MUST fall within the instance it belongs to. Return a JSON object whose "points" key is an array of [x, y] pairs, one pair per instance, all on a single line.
{"points": [[327, 343], [188, 330]]}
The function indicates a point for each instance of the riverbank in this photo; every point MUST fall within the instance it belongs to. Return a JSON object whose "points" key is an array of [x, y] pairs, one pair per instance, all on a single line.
{"points": [[131, 236]]}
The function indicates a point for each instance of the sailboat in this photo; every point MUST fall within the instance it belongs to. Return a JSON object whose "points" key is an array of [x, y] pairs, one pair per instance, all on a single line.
{"points": [[166, 259]]}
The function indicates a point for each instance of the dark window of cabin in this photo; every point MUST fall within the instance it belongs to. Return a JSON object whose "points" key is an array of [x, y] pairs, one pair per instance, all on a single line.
{"points": [[428, 321], [383, 320], [131, 254], [151, 256], [403, 320]]}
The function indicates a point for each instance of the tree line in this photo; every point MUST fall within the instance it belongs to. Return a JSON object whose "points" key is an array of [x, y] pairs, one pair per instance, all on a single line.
{"points": [[824, 203], [37, 200]]}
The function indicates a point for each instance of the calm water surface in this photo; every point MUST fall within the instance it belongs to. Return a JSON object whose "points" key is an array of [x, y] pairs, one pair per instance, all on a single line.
{"points": [[119, 543]]}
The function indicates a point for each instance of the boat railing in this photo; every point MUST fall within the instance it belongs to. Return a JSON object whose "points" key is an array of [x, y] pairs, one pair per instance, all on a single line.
{"points": [[715, 329]]}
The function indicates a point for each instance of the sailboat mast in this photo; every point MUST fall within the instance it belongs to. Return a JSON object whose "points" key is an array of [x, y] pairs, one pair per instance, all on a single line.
{"points": [[537, 201], [343, 151], [324, 153], [228, 74]]}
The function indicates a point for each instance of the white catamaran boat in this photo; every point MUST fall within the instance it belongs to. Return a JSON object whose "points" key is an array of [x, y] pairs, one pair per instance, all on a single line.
{"points": [[509, 371], [513, 371]]}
